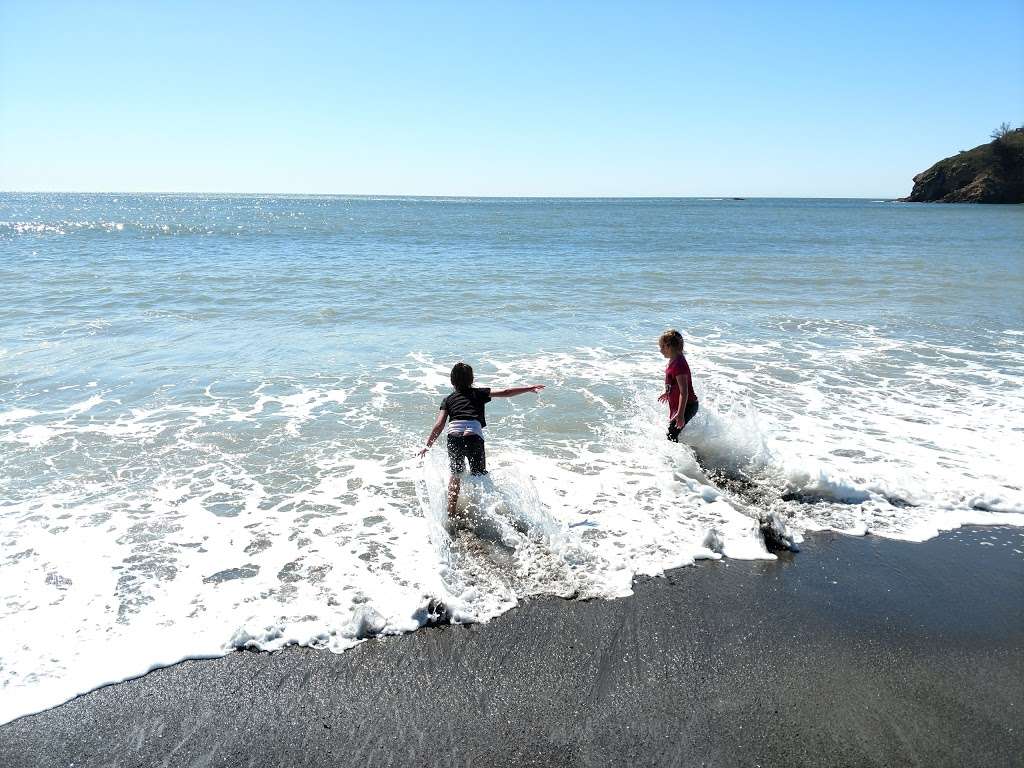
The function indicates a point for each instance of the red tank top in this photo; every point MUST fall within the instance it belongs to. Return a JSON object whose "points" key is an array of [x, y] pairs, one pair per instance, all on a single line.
{"points": [[678, 367]]}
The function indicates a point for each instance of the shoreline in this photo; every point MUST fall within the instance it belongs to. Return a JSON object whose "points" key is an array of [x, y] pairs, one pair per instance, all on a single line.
{"points": [[856, 651]]}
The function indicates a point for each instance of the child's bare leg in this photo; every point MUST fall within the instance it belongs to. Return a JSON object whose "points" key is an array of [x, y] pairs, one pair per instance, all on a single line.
{"points": [[453, 494]]}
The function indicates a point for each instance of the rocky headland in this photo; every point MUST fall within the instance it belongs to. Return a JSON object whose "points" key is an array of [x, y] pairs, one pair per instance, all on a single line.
{"points": [[989, 173]]}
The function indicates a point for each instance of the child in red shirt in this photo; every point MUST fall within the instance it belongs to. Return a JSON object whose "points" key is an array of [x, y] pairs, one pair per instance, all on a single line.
{"points": [[679, 394]]}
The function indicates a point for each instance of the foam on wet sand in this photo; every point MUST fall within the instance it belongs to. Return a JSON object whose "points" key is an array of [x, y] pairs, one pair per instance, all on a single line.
{"points": [[858, 651]]}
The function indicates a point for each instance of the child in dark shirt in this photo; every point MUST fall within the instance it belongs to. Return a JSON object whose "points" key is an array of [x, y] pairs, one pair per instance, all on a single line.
{"points": [[465, 409], [679, 394]]}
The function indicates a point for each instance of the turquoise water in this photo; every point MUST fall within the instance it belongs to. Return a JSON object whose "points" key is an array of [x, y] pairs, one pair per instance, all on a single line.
{"points": [[358, 273], [210, 405]]}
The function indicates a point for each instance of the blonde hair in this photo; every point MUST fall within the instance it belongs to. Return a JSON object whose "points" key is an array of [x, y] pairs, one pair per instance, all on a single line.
{"points": [[672, 339]]}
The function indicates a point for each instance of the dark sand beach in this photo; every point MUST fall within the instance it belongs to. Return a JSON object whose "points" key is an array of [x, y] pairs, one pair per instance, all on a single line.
{"points": [[854, 652]]}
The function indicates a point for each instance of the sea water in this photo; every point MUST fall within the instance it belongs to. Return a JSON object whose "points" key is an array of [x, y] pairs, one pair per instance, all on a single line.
{"points": [[210, 406]]}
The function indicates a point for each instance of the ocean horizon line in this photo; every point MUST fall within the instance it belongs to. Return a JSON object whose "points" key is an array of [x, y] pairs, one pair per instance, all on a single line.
{"points": [[400, 196]]}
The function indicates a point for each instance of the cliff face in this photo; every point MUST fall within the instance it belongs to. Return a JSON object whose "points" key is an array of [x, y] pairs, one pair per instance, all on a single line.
{"points": [[990, 173]]}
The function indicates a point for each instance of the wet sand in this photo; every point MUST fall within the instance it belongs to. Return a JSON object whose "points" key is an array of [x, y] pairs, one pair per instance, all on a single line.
{"points": [[854, 652]]}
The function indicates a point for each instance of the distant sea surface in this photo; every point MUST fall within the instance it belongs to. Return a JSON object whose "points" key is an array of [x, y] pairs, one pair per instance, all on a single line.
{"points": [[210, 405]]}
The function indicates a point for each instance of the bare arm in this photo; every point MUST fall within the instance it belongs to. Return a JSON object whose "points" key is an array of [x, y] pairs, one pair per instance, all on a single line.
{"points": [[513, 391], [684, 395], [435, 431]]}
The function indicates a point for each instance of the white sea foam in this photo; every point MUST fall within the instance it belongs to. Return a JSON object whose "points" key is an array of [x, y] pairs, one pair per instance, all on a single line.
{"points": [[292, 511], [208, 436], [139, 526], [17, 414]]}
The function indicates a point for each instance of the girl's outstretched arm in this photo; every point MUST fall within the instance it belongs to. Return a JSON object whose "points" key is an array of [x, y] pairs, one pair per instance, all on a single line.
{"points": [[435, 431], [513, 391]]}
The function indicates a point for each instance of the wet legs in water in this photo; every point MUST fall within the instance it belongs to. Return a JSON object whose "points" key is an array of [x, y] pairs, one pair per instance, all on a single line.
{"points": [[688, 414], [453, 495], [461, 448]]}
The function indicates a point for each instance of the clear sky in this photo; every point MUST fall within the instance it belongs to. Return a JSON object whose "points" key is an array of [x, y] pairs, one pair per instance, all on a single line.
{"points": [[811, 99]]}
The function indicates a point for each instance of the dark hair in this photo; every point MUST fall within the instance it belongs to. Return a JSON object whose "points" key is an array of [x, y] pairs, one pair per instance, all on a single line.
{"points": [[672, 339], [462, 376]]}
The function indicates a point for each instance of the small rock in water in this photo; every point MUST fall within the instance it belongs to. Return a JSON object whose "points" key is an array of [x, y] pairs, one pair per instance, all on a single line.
{"points": [[713, 541], [366, 622], [776, 533], [433, 614]]}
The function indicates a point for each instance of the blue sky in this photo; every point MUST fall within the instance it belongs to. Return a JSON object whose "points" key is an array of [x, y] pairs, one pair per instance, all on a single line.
{"points": [[593, 98]]}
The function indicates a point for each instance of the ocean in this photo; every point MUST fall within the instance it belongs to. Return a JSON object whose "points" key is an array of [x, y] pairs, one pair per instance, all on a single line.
{"points": [[211, 406]]}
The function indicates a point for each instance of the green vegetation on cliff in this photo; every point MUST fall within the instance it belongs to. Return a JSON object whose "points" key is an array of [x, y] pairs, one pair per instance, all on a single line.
{"points": [[990, 173]]}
